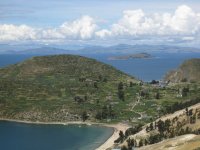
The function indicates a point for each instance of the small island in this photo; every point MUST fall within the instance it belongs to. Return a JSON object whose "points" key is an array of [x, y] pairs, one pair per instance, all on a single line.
{"points": [[131, 56]]}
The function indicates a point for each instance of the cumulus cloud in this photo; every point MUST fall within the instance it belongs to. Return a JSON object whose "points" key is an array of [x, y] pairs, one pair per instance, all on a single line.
{"points": [[183, 24], [15, 33], [136, 23], [83, 28]]}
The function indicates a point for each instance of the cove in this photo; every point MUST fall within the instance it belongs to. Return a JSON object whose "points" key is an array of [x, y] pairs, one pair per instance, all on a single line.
{"points": [[21, 136]]}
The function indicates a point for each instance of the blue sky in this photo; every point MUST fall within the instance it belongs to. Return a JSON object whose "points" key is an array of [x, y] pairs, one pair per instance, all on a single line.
{"points": [[54, 12], [99, 18]]}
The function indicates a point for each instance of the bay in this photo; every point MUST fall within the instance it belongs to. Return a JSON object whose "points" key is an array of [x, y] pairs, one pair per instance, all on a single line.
{"points": [[21, 136]]}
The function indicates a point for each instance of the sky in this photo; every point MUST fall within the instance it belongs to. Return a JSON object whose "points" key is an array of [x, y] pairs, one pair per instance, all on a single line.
{"points": [[100, 21]]}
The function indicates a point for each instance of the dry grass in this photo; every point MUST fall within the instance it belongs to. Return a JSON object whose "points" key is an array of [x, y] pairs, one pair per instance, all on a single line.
{"points": [[184, 142]]}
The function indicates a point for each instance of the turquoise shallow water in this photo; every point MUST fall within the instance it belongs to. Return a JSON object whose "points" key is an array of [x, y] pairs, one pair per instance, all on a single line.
{"points": [[20, 136]]}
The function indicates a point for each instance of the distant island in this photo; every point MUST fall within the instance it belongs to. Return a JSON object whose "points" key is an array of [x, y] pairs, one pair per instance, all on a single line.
{"points": [[131, 56]]}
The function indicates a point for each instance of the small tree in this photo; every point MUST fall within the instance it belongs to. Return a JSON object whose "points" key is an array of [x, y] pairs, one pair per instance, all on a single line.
{"points": [[130, 143], [161, 126], [121, 95], [147, 129], [167, 124], [120, 91], [95, 85], [190, 112], [85, 98], [151, 126], [157, 95], [105, 79], [186, 110], [84, 116], [120, 86], [131, 84], [100, 77], [98, 116], [185, 91], [121, 136]]}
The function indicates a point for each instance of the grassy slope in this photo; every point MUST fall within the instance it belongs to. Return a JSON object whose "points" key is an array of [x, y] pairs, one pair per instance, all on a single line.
{"points": [[184, 142], [189, 70], [44, 87]]}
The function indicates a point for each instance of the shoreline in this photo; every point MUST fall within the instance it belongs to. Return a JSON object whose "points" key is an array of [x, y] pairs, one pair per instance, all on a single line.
{"points": [[108, 142]]}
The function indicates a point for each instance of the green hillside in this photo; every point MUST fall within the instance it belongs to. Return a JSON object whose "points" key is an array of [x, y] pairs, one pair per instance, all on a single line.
{"points": [[75, 88], [60, 87], [188, 71]]}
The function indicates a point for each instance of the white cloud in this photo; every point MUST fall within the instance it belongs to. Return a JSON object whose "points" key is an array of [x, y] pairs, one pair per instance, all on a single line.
{"points": [[183, 24], [103, 33], [184, 21], [136, 23], [15, 33], [83, 28]]}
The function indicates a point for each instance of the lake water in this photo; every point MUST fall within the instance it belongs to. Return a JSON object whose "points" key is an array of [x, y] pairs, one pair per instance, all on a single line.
{"points": [[149, 69], [20, 136], [144, 69]]}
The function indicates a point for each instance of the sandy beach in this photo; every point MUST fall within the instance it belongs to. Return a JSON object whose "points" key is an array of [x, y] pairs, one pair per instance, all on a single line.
{"points": [[110, 142], [107, 144]]}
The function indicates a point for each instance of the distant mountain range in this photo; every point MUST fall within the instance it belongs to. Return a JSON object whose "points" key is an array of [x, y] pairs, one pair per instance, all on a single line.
{"points": [[119, 49], [43, 50]]}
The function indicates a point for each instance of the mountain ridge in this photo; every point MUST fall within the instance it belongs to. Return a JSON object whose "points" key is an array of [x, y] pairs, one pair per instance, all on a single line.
{"points": [[121, 49], [188, 71]]}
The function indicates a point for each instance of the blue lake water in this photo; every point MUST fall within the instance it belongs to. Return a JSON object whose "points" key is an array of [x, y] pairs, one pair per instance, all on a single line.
{"points": [[20, 136], [149, 69], [144, 69]]}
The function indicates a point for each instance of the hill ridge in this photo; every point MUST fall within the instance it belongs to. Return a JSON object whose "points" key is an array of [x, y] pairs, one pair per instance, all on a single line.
{"points": [[188, 71]]}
